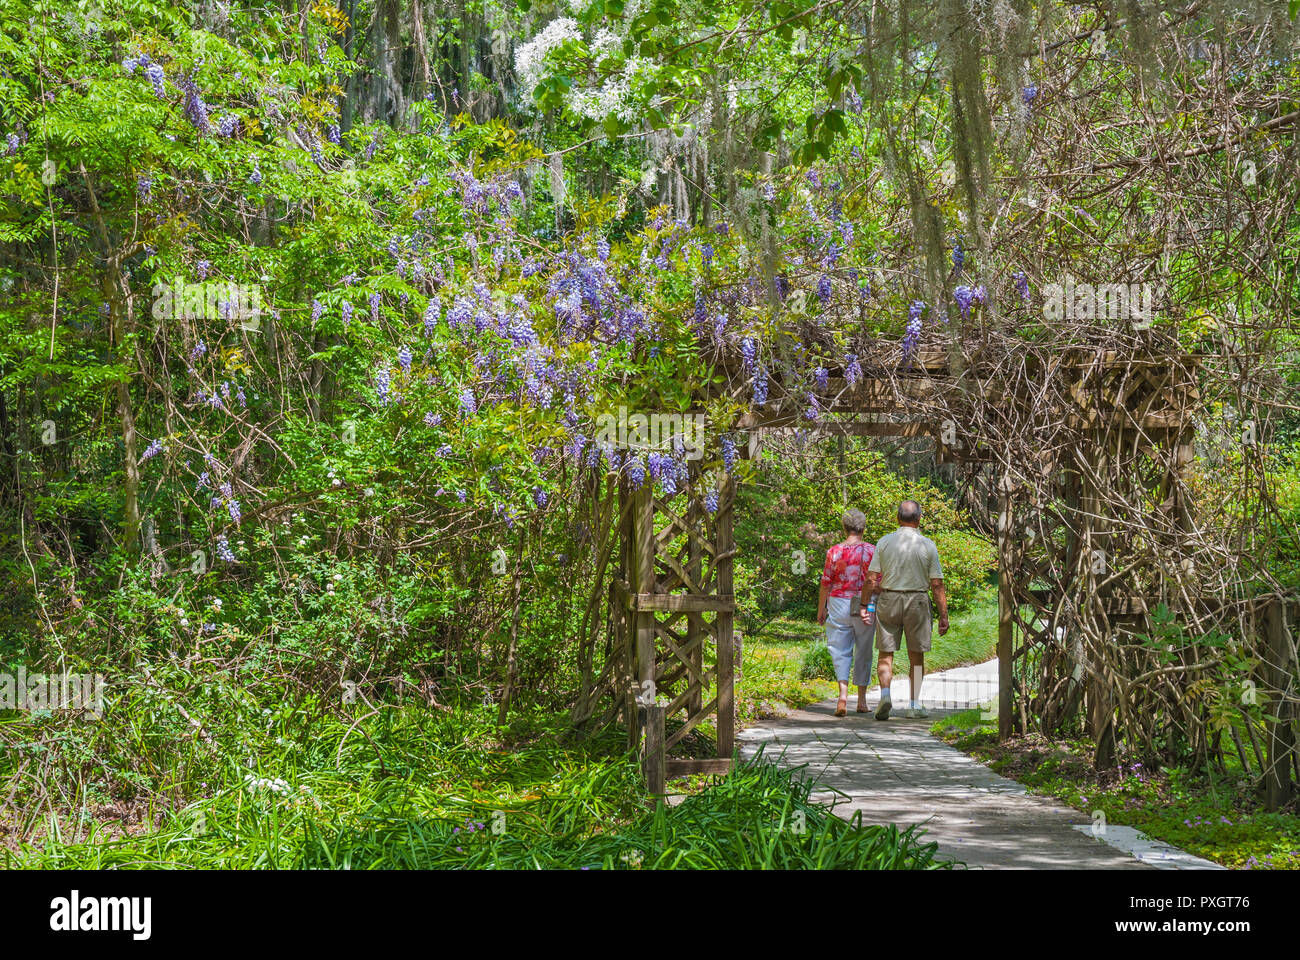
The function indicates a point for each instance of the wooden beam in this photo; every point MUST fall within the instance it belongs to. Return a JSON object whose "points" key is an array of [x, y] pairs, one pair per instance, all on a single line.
{"points": [[685, 768], [870, 396], [1125, 606], [682, 602], [692, 530], [914, 428], [1121, 419], [671, 672]]}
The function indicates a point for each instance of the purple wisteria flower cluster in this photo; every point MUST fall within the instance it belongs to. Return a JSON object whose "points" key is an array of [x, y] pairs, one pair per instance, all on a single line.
{"points": [[196, 111], [153, 72], [852, 369], [224, 553], [912, 336], [966, 296]]}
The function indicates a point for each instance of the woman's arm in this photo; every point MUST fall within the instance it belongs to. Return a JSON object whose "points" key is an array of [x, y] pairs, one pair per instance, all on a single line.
{"points": [[828, 574], [869, 595]]}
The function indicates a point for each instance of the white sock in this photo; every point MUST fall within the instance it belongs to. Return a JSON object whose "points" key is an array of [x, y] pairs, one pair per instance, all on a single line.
{"points": [[884, 693], [914, 704]]}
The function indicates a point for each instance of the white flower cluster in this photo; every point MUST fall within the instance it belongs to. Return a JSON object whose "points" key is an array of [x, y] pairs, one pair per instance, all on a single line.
{"points": [[613, 96], [529, 58], [256, 784], [632, 858]]}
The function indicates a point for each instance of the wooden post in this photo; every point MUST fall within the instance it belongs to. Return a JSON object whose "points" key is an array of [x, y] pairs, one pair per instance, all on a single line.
{"points": [[1006, 607], [512, 661], [1279, 734], [652, 755], [643, 551], [725, 544], [625, 641], [695, 621]]}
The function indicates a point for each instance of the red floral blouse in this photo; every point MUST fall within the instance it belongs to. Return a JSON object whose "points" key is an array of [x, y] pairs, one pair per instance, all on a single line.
{"points": [[846, 566]]}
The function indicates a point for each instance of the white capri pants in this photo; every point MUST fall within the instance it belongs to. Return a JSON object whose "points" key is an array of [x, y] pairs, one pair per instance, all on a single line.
{"points": [[850, 640]]}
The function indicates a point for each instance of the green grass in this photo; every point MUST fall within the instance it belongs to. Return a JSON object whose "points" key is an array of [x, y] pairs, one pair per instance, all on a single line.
{"points": [[972, 637], [771, 677], [412, 787], [760, 817], [1215, 817]]}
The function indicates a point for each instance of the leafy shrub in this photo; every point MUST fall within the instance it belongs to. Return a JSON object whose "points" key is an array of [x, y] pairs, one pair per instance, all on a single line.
{"points": [[816, 662]]}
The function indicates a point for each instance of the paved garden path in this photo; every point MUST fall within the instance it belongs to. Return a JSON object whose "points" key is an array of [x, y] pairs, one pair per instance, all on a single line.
{"points": [[896, 772]]}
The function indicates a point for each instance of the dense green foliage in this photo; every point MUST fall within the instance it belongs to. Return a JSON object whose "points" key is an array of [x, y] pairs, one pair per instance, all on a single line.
{"points": [[309, 316]]}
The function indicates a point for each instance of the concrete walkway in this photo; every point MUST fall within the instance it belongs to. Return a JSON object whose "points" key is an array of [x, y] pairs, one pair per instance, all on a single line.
{"points": [[896, 772]]}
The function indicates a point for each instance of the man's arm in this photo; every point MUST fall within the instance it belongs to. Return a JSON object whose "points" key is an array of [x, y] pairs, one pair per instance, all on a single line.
{"points": [[940, 601]]}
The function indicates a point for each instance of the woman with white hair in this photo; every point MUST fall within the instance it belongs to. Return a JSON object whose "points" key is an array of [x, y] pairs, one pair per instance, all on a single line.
{"points": [[838, 606]]}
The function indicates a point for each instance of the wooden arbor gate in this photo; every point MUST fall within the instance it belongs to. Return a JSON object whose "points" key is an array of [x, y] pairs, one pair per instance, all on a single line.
{"points": [[672, 603], [674, 647]]}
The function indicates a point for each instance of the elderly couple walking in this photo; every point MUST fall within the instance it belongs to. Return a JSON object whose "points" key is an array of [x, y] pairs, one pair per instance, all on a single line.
{"points": [[882, 591]]}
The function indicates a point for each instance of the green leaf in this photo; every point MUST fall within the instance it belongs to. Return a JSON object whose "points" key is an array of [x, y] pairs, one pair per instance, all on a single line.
{"points": [[767, 136], [834, 83]]}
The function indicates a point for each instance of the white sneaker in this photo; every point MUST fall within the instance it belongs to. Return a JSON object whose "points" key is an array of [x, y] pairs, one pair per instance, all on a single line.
{"points": [[917, 713]]}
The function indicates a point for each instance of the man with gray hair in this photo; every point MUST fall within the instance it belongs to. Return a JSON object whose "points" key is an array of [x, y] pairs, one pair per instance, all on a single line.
{"points": [[904, 568]]}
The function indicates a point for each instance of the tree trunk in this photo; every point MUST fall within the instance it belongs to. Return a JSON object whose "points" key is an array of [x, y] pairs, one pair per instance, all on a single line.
{"points": [[511, 660]]}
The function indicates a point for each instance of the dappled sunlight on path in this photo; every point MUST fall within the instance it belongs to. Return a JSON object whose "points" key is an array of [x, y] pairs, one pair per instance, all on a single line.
{"points": [[896, 772]]}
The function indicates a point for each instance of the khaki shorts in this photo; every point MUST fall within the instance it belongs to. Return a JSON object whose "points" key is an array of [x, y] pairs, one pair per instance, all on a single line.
{"points": [[903, 614]]}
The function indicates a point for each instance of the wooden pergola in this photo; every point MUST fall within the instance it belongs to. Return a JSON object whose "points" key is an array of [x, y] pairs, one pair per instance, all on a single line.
{"points": [[671, 596]]}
